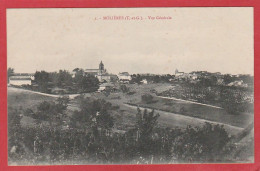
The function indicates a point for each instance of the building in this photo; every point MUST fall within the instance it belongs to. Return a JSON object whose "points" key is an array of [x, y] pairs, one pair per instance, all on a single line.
{"points": [[178, 74], [104, 77], [96, 72], [20, 79], [239, 83], [105, 86], [100, 73], [124, 76], [144, 81], [91, 72]]}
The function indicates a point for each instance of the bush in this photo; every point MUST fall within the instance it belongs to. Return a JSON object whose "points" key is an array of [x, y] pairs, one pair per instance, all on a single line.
{"points": [[147, 98], [131, 93], [124, 88], [204, 143]]}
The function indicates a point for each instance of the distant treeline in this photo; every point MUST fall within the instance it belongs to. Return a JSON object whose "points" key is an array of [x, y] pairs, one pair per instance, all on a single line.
{"points": [[80, 83], [209, 80], [235, 100]]}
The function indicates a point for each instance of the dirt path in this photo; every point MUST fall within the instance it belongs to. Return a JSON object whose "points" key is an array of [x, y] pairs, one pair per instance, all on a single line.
{"points": [[188, 101], [71, 96], [173, 119]]}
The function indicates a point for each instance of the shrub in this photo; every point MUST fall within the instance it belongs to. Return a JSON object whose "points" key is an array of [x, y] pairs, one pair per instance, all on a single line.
{"points": [[147, 98], [124, 88]]}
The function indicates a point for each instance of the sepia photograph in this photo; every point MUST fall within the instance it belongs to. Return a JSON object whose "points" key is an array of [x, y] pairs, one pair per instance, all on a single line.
{"points": [[104, 86]]}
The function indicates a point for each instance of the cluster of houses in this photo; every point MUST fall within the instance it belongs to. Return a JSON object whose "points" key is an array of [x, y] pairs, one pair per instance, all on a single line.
{"points": [[19, 79], [103, 76], [194, 76]]}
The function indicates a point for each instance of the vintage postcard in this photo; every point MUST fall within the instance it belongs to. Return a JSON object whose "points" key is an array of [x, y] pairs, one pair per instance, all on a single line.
{"points": [[106, 86]]}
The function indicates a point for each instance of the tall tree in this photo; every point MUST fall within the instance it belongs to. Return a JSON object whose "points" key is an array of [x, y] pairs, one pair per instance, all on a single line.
{"points": [[10, 72], [145, 123], [42, 78], [93, 114]]}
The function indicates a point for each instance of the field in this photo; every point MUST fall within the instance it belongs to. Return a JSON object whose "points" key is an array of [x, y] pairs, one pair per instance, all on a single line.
{"points": [[180, 107], [20, 98], [199, 111]]}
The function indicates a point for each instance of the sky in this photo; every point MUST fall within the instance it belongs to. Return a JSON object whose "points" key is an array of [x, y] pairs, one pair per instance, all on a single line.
{"points": [[195, 39]]}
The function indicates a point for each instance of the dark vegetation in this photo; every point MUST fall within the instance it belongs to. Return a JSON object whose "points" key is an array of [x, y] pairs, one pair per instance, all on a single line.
{"points": [[88, 137], [147, 98], [10, 72], [235, 100], [62, 82]]}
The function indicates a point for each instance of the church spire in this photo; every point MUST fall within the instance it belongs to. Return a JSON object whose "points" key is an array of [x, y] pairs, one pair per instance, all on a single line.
{"points": [[101, 67]]}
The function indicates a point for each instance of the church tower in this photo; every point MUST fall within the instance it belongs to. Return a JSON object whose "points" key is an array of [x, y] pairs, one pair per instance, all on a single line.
{"points": [[101, 67]]}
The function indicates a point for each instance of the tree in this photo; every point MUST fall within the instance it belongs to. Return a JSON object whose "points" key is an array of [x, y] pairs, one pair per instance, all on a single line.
{"points": [[247, 79], [93, 114], [64, 78], [62, 103], [85, 83], [204, 143], [227, 79], [14, 132], [136, 78], [146, 122], [124, 88], [76, 70], [156, 78], [147, 98], [42, 79], [53, 111], [61, 79], [10, 72]]}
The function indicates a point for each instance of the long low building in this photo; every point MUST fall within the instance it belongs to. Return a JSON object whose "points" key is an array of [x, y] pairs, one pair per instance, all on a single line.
{"points": [[21, 79], [124, 76]]}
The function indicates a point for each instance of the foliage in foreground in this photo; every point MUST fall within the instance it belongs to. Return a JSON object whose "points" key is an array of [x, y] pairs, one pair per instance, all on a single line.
{"points": [[98, 144]]}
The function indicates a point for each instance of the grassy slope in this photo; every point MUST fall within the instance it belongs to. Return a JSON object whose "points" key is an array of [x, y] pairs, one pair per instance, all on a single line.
{"points": [[194, 110], [125, 117], [200, 111], [19, 99]]}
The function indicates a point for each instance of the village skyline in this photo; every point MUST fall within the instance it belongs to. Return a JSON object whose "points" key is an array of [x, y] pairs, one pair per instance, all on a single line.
{"points": [[120, 71]]}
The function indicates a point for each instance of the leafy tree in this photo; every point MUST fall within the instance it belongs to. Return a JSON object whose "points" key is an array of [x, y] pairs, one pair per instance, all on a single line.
{"points": [[147, 98], [85, 83], [124, 88], [145, 123], [10, 72], [42, 79], [93, 114], [201, 143], [53, 112], [14, 133], [227, 79], [136, 78], [76, 70], [156, 79], [62, 103], [61, 79], [248, 79]]}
